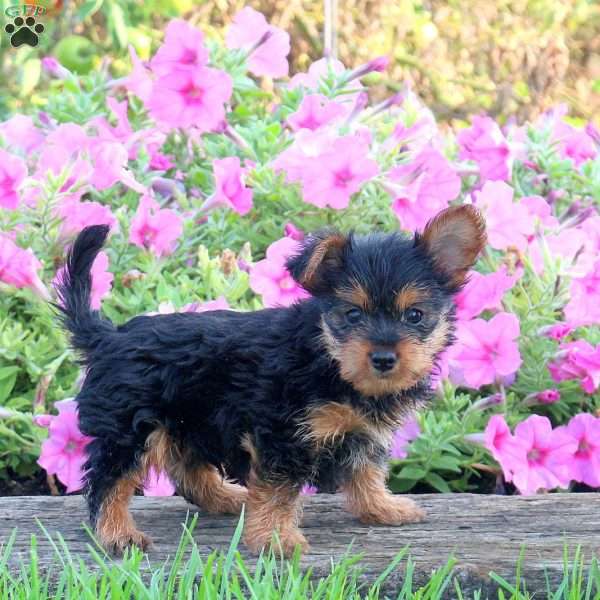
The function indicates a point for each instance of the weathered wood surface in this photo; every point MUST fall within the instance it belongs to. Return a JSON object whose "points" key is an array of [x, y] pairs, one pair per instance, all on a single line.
{"points": [[484, 533]]}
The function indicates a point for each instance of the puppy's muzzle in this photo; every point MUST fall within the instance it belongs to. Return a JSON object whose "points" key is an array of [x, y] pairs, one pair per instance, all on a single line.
{"points": [[383, 360]]}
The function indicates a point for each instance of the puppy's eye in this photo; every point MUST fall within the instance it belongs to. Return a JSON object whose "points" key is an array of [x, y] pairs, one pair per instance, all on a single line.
{"points": [[353, 315], [413, 315]]}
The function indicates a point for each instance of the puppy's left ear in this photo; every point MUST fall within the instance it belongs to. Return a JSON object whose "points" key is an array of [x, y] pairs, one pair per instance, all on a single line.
{"points": [[321, 256], [453, 239]]}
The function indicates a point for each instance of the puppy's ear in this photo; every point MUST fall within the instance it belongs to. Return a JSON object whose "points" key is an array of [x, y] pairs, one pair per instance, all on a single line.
{"points": [[453, 239], [321, 255]]}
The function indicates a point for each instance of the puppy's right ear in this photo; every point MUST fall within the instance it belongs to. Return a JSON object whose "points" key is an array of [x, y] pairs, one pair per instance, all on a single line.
{"points": [[321, 256]]}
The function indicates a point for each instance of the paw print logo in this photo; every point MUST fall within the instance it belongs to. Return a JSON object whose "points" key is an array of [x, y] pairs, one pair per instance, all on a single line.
{"points": [[24, 31]]}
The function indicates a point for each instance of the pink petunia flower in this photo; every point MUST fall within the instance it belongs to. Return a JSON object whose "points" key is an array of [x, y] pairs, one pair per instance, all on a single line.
{"points": [[21, 132], [270, 278], [158, 484], [229, 186], [109, 160], [585, 463], [566, 244], [314, 111], [183, 48], [155, 229], [550, 396], [548, 457], [63, 453], [219, 304], [308, 490], [337, 173], [577, 360], [403, 436], [508, 223], [160, 161], [12, 173], [486, 350], [139, 81], [422, 188], [77, 215], [20, 267], [485, 144], [539, 208], [290, 230], [307, 145], [558, 331], [508, 451], [185, 98], [101, 279], [268, 45], [378, 65], [54, 68], [321, 70], [483, 292], [122, 132], [573, 143], [583, 307]]}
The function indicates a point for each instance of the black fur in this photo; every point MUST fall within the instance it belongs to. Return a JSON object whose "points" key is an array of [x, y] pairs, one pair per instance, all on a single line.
{"points": [[210, 378]]}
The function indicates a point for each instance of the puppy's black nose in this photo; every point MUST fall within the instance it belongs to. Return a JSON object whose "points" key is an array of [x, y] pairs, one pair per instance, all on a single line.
{"points": [[383, 360]]}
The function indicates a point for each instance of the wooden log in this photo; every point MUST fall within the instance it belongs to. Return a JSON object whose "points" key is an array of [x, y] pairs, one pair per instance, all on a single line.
{"points": [[484, 533]]}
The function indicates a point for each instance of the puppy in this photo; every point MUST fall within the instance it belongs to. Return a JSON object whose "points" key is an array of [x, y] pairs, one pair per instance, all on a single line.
{"points": [[244, 408]]}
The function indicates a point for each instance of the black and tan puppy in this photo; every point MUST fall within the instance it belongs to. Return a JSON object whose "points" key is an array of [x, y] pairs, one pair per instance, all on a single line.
{"points": [[271, 399]]}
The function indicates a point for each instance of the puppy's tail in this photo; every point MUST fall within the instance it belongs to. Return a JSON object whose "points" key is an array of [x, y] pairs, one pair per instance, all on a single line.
{"points": [[86, 327]]}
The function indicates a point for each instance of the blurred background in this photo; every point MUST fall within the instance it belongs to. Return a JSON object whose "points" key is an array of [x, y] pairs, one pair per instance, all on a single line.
{"points": [[504, 57]]}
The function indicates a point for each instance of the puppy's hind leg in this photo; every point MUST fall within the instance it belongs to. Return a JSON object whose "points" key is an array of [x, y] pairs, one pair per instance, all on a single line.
{"points": [[197, 481], [109, 489], [204, 486]]}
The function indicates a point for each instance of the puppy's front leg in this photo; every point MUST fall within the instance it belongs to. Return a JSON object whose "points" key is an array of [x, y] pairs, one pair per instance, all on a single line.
{"points": [[368, 499], [273, 508]]}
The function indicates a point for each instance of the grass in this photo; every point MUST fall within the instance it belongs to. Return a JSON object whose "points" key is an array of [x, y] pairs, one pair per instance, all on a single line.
{"points": [[225, 575]]}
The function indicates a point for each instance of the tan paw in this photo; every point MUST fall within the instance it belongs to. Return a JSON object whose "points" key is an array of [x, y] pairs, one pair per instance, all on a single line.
{"points": [[285, 543], [394, 511], [117, 543]]}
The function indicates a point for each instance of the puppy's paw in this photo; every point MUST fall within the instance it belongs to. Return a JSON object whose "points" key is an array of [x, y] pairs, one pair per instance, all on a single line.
{"points": [[395, 510], [287, 543], [117, 543], [284, 543]]}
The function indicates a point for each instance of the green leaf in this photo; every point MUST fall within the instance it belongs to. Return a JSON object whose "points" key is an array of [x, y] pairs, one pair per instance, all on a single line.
{"points": [[412, 472], [8, 377], [435, 481], [446, 463], [89, 8], [116, 20]]}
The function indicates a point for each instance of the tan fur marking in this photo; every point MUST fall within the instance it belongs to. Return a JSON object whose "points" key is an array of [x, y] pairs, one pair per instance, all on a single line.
{"points": [[368, 499], [454, 238], [408, 296], [329, 423], [248, 445], [356, 295], [415, 360], [115, 527], [207, 488], [273, 508], [161, 452], [203, 484], [324, 248]]}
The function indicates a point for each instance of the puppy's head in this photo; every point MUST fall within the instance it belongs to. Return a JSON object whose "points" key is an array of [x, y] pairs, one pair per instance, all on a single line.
{"points": [[386, 299]]}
